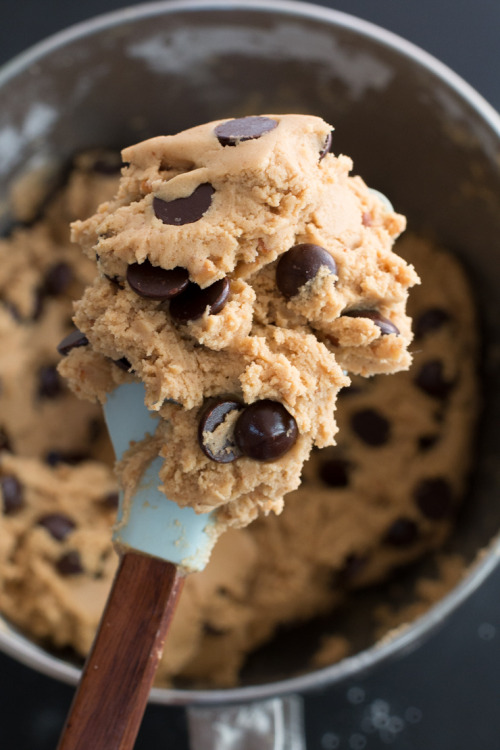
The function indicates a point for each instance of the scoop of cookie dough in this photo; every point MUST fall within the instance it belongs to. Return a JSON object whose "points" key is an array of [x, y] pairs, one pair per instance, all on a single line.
{"points": [[242, 272]]}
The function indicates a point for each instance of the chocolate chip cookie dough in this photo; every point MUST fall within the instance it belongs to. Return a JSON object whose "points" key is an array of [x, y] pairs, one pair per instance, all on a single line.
{"points": [[384, 496], [242, 271]]}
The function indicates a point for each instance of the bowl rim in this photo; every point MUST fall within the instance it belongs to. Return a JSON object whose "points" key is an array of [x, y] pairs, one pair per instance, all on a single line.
{"points": [[405, 640]]}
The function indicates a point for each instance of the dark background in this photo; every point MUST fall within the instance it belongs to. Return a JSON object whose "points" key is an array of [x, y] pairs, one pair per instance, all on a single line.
{"points": [[446, 694]]}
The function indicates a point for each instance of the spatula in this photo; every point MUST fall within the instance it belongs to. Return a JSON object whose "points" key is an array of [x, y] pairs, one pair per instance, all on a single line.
{"points": [[158, 543]]}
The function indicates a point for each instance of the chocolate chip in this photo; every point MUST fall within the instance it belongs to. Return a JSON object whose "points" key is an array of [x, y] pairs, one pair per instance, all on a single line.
{"points": [[430, 320], [12, 494], [326, 147], [70, 564], [434, 498], [57, 279], [211, 630], [56, 457], [115, 280], [73, 340], [38, 304], [95, 429], [402, 533], [123, 364], [232, 132], [265, 430], [49, 382], [353, 565], [110, 501], [13, 311], [5, 444], [335, 472], [192, 303], [57, 524], [371, 427], [426, 442], [385, 325], [299, 265], [350, 390], [430, 379], [212, 416], [156, 283], [107, 164], [184, 210]]}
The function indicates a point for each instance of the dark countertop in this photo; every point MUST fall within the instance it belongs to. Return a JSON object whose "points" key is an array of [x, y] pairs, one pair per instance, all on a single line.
{"points": [[443, 695]]}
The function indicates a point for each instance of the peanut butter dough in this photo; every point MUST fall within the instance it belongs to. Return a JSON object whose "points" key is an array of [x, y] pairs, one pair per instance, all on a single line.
{"points": [[385, 495], [239, 261]]}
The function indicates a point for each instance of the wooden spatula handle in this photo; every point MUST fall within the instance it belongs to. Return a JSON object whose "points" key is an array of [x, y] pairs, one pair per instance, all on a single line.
{"points": [[108, 706]]}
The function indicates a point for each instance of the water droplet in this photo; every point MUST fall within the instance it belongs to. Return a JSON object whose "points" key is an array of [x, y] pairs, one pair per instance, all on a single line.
{"points": [[367, 725], [486, 631], [396, 724], [355, 695], [379, 708], [330, 741], [413, 715], [380, 721], [387, 736], [357, 741]]}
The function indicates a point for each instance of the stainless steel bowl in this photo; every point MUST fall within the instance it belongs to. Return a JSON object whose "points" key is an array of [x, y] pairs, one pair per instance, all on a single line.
{"points": [[416, 131]]}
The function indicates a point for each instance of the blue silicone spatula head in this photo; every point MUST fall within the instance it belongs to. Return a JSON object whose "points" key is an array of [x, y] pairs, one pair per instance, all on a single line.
{"points": [[150, 523]]}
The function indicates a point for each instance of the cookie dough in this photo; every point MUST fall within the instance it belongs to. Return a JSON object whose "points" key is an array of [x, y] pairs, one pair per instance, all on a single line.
{"points": [[242, 272], [387, 494]]}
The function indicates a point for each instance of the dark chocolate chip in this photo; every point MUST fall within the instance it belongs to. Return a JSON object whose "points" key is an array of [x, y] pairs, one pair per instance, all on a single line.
{"points": [[402, 533], [73, 340], [95, 430], [56, 457], [13, 310], [107, 164], [211, 630], [115, 280], [335, 472], [265, 430], [299, 265], [5, 444], [38, 304], [57, 279], [434, 498], [430, 379], [232, 132], [430, 320], [123, 364], [110, 501], [70, 564], [184, 210], [350, 390], [192, 303], [156, 283], [371, 427], [426, 442], [385, 325], [57, 524], [326, 147], [353, 565], [212, 416], [49, 382], [12, 494]]}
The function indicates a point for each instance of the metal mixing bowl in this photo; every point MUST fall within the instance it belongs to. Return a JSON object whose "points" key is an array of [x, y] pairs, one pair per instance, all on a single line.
{"points": [[415, 130]]}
